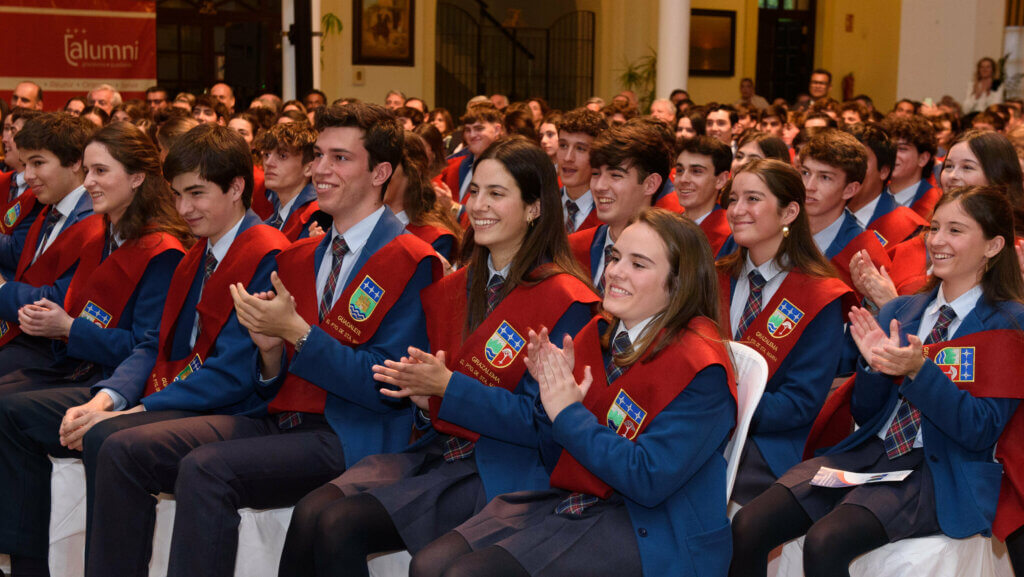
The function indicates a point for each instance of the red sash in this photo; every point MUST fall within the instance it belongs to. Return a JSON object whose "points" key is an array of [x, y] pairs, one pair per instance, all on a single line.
{"points": [[909, 271], [897, 226], [428, 233], [494, 353], [358, 312], [716, 227], [61, 256], [777, 329], [591, 221], [580, 244], [298, 220], [215, 306], [640, 393], [261, 205], [926, 204], [670, 202], [6, 180], [17, 211], [99, 291]]}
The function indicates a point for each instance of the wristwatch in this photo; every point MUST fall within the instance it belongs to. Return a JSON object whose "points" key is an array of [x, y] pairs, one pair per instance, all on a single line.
{"points": [[301, 342]]}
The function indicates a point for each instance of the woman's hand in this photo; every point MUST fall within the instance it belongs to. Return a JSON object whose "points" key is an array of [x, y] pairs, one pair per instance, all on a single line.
{"points": [[419, 374], [558, 387], [873, 283], [45, 318], [884, 352]]}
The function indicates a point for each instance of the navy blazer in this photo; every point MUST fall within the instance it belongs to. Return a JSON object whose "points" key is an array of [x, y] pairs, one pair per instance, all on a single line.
{"points": [[796, 392], [12, 244], [367, 423], [597, 252], [848, 231], [222, 384], [14, 295], [960, 430], [306, 196]]}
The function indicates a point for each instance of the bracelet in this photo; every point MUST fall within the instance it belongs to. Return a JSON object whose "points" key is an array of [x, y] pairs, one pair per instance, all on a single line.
{"points": [[301, 342]]}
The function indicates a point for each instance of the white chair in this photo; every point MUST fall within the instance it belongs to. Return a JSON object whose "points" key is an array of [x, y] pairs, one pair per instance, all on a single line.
{"points": [[260, 534], [751, 378]]}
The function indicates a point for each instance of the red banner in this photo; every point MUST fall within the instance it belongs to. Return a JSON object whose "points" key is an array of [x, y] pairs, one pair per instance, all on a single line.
{"points": [[69, 47]]}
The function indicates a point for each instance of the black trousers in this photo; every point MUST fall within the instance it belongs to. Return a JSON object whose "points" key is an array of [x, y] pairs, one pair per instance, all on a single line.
{"points": [[214, 465]]}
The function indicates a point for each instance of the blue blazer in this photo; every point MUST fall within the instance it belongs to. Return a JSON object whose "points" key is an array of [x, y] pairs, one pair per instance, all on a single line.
{"points": [[11, 244], [222, 385], [796, 392], [507, 454], [960, 430], [886, 204], [367, 423], [306, 196], [597, 251], [14, 295], [848, 231]]}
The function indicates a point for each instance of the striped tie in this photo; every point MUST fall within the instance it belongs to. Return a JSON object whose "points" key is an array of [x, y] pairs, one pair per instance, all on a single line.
{"points": [[339, 248], [571, 210], [899, 439], [209, 266], [276, 221], [620, 345], [52, 218], [753, 306], [494, 287], [607, 257]]}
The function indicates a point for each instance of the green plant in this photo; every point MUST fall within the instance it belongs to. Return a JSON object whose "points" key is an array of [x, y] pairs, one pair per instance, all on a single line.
{"points": [[640, 77], [330, 25]]}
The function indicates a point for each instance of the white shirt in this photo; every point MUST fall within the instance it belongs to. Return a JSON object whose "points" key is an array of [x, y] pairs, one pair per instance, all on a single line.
{"points": [[634, 333], [962, 305], [771, 273], [286, 208], [20, 186], [599, 271], [828, 234], [355, 237], [585, 204], [491, 272], [66, 206], [864, 214], [219, 250], [402, 216], [700, 220], [905, 197]]}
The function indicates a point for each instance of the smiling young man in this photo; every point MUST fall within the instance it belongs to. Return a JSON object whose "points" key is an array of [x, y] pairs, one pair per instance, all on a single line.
{"points": [[287, 151], [915, 156], [481, 125], [720, 121], [576, 133], [20, 208], [702, 171], [630, 163], [341, 304]]}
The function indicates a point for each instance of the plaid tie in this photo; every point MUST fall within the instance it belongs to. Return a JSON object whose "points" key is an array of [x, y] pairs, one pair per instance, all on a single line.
{"points": [[339, 248], [208, 267], [111, 245], [899, 439], [571, 210], [494, 287], [276, 221], [620, 345], [607, 257], [51, 221], [753, 306]]}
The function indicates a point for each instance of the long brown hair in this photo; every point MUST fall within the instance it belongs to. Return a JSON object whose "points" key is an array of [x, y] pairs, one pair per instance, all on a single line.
{"points": [[797, 250], [999, 162], [990, 208], [152, 207], [419, 199], [692, 285], [545, 241]]}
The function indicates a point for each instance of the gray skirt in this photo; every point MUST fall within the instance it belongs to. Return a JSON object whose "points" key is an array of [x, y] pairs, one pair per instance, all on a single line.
{"points": [[425, 495], [599, 542], [906, 509]]}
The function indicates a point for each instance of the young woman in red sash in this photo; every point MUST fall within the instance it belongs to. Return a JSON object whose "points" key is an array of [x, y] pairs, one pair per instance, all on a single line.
{"points": [[520, 276], [634, 413], [934, 390], [781, 297], [976, 158], [413, 200]]}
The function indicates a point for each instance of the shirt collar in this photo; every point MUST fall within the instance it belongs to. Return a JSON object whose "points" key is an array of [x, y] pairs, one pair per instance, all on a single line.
{"points": [[768, 270], [19, 179], [584, 202], [637, 330], [402, 216], [905, 197], [117, 238], [358, 234], [67, 204], [491, 272], [864, 213], [220, 248], [828, 234], [963, 304]]}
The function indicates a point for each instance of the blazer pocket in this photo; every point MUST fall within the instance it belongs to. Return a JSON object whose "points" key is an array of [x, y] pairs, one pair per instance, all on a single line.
{"points": [[711, 552], [984, 479]]}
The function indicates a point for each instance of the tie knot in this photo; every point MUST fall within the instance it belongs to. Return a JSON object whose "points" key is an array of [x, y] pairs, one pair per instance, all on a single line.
{"points": [[338, 246], [621, 343], [571, 207], [54, 216], [946, 315], [757, 281], [211, 263], [496, 282]]}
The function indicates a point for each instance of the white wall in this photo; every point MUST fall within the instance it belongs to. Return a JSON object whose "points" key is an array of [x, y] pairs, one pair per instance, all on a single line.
{"points": [[942, 40]]}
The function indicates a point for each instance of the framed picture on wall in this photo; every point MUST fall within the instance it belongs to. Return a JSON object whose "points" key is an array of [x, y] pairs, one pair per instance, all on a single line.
{"points": [[712, 42], [383, 32]]}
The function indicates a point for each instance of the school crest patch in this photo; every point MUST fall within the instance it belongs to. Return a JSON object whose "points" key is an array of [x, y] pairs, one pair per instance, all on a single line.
{"points": [[192, 367], [880, 238], [4, 327], [784, 319], [504, 345], [95, 315], [12, 214], [364, 299], [957, 363], [625, 416]]}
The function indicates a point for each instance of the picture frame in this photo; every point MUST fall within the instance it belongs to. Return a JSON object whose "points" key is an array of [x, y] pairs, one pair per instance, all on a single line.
{"points": [[383, 32], [712, 42]]}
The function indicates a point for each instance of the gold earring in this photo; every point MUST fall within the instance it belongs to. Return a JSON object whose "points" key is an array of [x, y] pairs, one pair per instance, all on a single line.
{"points": [[785, 230]]}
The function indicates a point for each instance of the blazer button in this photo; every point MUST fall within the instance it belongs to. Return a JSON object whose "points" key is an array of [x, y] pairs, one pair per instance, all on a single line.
{"points": [[933, 459], [642, 532]]}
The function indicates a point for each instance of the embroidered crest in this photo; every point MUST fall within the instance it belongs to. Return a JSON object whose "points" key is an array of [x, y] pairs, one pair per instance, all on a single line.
{"points": [[625, 416], [364, 299], [94, 314], [12, 215], [957, 363], [4, 327], [784, 319], [503, 346], [192, 367], [880, 238]]}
